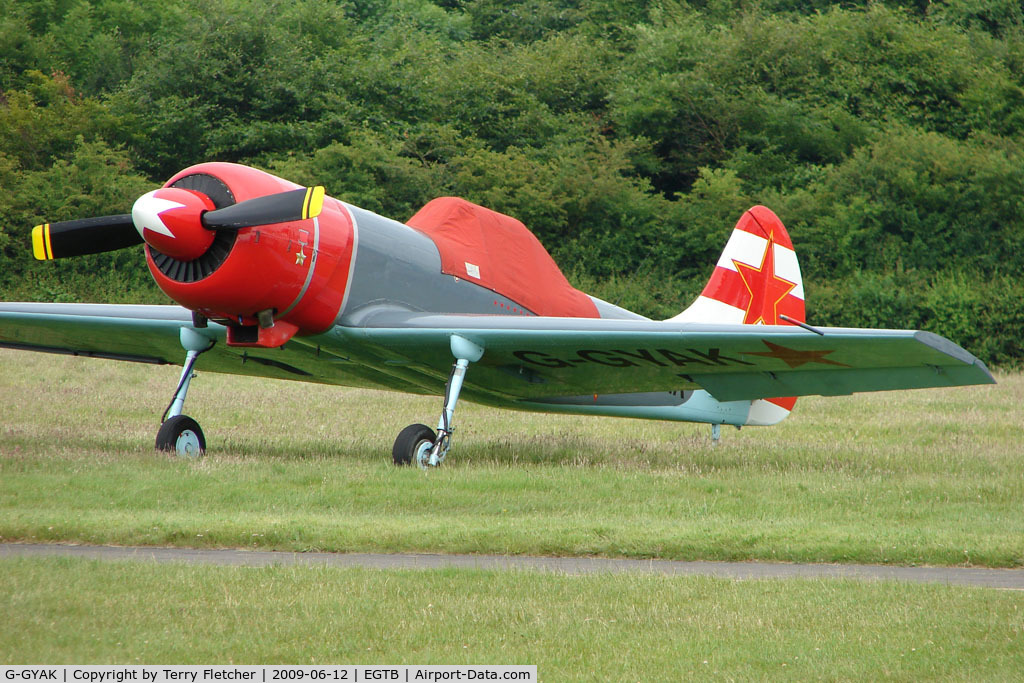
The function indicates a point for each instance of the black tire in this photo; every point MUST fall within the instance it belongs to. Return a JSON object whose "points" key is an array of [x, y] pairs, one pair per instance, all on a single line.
{"points": [[182, 436], [409, 441]]}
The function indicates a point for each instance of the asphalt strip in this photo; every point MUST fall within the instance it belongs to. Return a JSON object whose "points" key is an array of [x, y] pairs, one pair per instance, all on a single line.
{"points": [[964, 576]]}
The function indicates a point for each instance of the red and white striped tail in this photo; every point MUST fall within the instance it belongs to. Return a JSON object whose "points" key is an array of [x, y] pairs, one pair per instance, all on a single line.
{"points": [[755, 282]]}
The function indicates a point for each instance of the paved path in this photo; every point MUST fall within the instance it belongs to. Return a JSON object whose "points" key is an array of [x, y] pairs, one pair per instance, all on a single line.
{"points": [[990, 578]]}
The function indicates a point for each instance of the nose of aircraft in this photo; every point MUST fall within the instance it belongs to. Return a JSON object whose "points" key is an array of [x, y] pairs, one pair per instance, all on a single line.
{"points": [[169, 220]]}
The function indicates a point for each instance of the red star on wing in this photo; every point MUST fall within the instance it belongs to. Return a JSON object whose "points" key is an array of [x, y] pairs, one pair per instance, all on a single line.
{"points": [[765, 287], [795, 358]]}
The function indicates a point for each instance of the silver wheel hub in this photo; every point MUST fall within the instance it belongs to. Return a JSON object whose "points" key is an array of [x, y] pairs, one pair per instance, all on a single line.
{"points": [[421, 454], [187, 444]]}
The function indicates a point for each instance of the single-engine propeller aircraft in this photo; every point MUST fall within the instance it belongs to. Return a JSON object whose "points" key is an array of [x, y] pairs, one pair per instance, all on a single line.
{"points": [[282, 281]]}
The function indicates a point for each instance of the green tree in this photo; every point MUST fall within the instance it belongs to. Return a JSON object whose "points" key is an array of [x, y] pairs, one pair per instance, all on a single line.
{"points": [[246, 79], [40, 123], [914, 200], [95, 180]]}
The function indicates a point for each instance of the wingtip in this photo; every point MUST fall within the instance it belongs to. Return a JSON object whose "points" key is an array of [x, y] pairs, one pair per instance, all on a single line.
{"points": [[988, 373], [954, 350]]}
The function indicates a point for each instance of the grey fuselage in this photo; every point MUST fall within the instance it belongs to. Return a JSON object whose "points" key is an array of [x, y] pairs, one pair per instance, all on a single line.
{"points": [[397, 268]]}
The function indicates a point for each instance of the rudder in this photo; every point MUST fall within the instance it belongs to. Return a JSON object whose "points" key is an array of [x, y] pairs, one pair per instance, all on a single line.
{"points": [[755, 282]]}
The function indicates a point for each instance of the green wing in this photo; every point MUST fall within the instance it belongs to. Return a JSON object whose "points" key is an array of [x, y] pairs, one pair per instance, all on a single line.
{"points": [[524, 358], [530, 358], [145, 334]]}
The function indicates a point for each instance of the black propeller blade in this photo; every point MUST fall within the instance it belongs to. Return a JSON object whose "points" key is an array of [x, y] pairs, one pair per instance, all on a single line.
{"points": [[107, 233], [293, 205], [83, 236]]}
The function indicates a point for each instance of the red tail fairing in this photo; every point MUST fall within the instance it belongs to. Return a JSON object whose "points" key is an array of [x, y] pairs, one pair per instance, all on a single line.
{"points": [[498, 252], [268, 282]]}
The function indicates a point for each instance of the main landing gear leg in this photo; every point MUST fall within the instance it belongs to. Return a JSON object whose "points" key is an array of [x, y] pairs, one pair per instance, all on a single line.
{"points": [[179, 433], [716, 434], [418, 442]]}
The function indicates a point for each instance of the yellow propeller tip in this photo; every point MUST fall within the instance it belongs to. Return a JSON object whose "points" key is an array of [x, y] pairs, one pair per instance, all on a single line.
{"points": [[314, 203], [41, 248]]}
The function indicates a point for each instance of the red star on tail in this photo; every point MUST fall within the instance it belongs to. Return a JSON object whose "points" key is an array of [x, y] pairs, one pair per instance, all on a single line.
{"points": [[765, 287]]}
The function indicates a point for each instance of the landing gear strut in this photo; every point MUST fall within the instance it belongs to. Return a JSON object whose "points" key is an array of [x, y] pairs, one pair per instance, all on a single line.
{"points": [[179, 433], [418, 443]]}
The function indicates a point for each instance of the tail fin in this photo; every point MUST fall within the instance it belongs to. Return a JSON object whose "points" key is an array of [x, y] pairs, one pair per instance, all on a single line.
{"points": [[756, 282]]}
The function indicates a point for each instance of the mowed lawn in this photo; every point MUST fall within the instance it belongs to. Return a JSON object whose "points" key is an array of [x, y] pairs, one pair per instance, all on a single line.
{"points": [[916, 477], [603, 628]]}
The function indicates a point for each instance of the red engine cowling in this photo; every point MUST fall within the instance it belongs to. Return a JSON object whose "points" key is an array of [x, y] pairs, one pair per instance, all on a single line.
{"points": [[269, 282]]}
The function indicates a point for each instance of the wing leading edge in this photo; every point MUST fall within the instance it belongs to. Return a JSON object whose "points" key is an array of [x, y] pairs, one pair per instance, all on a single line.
{"points": [[533, 358], [146, 334], [152, 334], [525, 359]]}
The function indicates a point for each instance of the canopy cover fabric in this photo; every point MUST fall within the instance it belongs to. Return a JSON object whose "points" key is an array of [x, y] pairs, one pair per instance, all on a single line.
{"points": [[500, 253]]}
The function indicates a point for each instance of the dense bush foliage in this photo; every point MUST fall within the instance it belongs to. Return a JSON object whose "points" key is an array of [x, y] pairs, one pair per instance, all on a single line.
{"points": [[629, 136]]}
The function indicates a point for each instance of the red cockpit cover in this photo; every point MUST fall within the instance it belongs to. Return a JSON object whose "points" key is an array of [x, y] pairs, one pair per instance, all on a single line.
{"points": [[499, 253]]}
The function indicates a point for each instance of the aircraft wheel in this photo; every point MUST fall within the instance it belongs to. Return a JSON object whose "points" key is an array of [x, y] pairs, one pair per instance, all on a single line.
{"points": [[182, 436], [413, 445]]}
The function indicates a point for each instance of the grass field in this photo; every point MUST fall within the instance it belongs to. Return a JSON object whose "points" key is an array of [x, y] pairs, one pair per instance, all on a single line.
{"points": [[925, 477], [932, 477], [607, 628]]}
